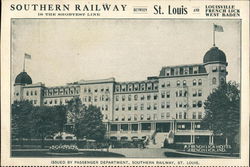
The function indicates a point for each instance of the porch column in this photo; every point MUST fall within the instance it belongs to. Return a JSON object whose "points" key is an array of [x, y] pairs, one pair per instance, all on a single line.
{"points": [[139, 127], [226, 141]]}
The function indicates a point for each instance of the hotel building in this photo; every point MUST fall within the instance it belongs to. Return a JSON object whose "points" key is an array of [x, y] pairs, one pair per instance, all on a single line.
{"points": [[168, 106]]}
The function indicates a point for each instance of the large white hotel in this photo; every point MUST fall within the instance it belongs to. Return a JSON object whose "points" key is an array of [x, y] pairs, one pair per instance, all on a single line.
{"points": [[170, 105]]}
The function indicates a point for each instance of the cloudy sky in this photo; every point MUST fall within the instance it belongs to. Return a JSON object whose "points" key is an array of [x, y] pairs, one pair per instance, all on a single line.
{"points": [[68, 50]]}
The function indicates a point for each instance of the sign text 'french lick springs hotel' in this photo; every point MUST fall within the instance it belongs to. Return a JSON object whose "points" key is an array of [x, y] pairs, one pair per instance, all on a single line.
{"points": [[169, 106]]}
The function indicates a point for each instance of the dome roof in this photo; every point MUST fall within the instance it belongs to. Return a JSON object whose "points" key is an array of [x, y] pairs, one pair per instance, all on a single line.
{"points": [[23, 78], [214, 54]]}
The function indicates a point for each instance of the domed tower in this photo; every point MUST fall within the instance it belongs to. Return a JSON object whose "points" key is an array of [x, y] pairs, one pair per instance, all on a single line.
{"points": [[21, 80], [215, 63]]}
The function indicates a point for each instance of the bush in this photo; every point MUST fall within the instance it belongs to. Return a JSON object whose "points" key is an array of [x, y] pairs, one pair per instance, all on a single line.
{"points": [[63, 149]]}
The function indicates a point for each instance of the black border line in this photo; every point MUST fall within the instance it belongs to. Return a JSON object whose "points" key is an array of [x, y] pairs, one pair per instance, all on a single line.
{"points": [[200, 19]]}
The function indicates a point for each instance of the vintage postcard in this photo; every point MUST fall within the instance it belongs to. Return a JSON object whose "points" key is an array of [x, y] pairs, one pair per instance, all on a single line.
{"points": [[124, 83]]}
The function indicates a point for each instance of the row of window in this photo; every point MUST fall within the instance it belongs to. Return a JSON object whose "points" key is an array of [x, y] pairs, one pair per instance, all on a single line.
{"points": [[184, 83], [95, 90], [167, 115], [31, 93], [61, 91], [95, 98], [181, 71], [56, 101], [136, 87], [137, 107]]}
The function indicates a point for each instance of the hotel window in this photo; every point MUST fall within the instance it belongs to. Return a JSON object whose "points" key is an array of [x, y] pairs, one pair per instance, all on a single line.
{"points": [[135, 107], [116, 98], [214, 81], [180, 115], [129, 97], [89, 90], [148, 97], [130, 87], [194, 93], [116, 118], [45, 102], [106, 116], [89, 98], [197, 126], [123, 97], [50, 102], [194, 82], [199, 82], [142, 87], [55, 101], [106, 107], [85, 90], [196, 69], [134, 127], [123, 88], [194, 104], [107, 89], [117, 88], [176, 93], [180, 93], [155, 96], [136, 87], [27, 93], [35, 92], [168, 105], [149, 86], [168, 115], [185, 115], [95, 98], [142, 106], [222, 69], [168, 84], [184, 83], [162, 115], [17, 94], [199, 92], [148, 117], [162, 104], [214, 69], [96, 90], [186, 70], [107, 98], [142, 97], [178, 83], [180, 104], [142, 116], [163, 85], [135, 97], [148, 106], [199, 115], [116, 108], [155, 86], [129, 118], [177, 71], [176, 104], [168, 72], [155, 106], [129, 107], [123, 107], [194, 115], [35, 101], [162, 94], [185, 93], [123, 118], [185, 105], [135, 117], [199, 104], [168, 94]]}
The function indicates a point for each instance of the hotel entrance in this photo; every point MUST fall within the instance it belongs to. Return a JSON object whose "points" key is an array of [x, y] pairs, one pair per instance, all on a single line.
{"points": [[162, 127]]}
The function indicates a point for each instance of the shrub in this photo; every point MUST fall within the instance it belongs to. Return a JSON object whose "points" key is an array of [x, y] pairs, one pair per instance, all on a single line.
{"points": [[63, 149]]}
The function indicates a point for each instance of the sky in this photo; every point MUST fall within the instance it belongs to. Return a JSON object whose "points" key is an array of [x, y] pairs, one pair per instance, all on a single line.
{"points": [[68, 50]]}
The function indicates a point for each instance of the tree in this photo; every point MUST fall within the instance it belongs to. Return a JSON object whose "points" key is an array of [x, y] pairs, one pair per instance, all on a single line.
{"points": [[91, 125], [21, 121], [47, 121], [87, 120], [222, 111]]}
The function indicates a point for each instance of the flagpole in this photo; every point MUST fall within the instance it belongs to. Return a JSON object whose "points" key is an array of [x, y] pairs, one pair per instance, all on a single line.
{"points": [[213, 36], [24, 64]]}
